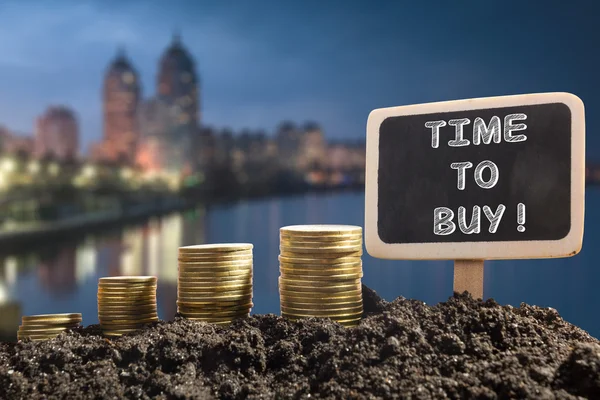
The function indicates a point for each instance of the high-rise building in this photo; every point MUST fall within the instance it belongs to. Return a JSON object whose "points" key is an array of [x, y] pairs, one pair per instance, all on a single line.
{"points": [[57, 134], [288, 139], [120, 99], [313, 149], [178, 83], [161, 148], [169, 121]]}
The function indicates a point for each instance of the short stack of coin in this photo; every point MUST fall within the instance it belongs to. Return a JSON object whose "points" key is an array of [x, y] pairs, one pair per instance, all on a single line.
{"points": [[126, 303], [46, 326], [321, 271], [215, 282]]}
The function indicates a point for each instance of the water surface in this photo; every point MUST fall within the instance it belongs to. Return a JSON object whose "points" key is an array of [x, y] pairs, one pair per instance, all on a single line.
{"points": [[64, 277]]}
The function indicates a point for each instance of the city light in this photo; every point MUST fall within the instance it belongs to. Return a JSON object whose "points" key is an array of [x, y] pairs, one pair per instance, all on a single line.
{"points": [[33, 167], [89, 171], [8, 165], [54, 169], [126, 174]]}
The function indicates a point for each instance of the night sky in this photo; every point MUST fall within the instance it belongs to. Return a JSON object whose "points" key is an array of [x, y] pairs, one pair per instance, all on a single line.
{"points": [[261, 62]]}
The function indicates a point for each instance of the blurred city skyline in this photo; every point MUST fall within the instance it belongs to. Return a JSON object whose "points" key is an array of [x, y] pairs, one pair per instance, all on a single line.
{"points": [[265, 62]]}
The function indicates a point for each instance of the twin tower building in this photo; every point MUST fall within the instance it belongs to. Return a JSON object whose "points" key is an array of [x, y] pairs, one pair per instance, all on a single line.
{"points": [[158, 133]]}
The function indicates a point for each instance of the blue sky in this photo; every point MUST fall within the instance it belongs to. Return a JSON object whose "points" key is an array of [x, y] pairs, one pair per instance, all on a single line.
{"points": [[261, 62]]}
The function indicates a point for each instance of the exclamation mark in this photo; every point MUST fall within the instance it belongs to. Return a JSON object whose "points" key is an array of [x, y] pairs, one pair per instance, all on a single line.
{"points": [[521, 217]]}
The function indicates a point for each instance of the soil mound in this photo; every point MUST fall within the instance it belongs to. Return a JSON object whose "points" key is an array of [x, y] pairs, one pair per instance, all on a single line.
{"points": [[459, 349]]}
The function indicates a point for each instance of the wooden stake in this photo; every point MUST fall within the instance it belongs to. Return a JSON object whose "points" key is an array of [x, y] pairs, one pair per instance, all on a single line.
{"points": [[468, 275]]}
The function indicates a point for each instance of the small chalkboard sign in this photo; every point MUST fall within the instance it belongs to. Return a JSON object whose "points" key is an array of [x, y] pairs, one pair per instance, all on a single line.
{"points": [[490, 178]]}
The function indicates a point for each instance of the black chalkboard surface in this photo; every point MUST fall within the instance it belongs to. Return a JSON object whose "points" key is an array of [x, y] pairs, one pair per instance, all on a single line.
{"points": [[493, 174]]}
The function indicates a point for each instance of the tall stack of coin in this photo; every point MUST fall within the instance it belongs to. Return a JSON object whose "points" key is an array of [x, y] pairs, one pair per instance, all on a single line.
{"points": [[46, 326], [215, 282], [321, 271], [126, 303]]}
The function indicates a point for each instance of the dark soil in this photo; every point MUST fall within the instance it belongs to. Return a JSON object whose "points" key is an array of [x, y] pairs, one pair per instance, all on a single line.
{"points": [[460, 349]]}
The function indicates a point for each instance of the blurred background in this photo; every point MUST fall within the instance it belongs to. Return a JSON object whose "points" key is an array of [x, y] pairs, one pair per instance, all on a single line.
{"points": [[130, 128]]}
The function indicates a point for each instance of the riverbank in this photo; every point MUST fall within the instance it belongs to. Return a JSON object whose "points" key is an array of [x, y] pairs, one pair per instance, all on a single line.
{"points": [[21, 236], [459, 349]]}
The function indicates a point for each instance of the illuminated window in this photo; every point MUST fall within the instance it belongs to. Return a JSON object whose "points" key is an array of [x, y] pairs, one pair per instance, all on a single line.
{"points": [[186, 77], [128, 78]]}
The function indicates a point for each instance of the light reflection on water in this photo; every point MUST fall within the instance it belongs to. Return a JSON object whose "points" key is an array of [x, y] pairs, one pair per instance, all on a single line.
{"points": [[63, 277]]}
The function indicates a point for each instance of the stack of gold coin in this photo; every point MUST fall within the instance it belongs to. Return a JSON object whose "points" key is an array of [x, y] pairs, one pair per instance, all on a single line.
{"points": [[46, 326], [126, 303], [215, 282], [321, 271]]}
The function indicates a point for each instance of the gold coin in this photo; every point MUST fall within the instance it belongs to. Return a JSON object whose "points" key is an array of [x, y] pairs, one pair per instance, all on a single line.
{"points": [[182, 295], [207, 268], [344, 316], [320, 266], [52, 318], [212, 284], [127, 288], [312, 297], [199, 274], [213, 296], [215, 314], [125, 281], [238, 256], [216, 263], [320, 298], [128, 315], [217, 307], [222, 280], [216, 298], [220, 288], [203, 291], [321, 275], [124, 315], [116, 307], [329, 256], [142, 301], [127, 295], [320, 245], [121, 287], [320, 271], [128, 279], [318, 251], [112, 305], [126, 324], [105, 292], [46, 326], [303, 259], [53, 324], [324, 240], [216, 248], [214, 303], [321, 230], [319, 306], [323, 312], [334, 279], [41, 330], [320, 284]]}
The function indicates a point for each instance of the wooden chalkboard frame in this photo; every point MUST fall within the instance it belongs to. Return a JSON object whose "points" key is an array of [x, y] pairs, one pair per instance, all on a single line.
{"points": [[485, 250]]}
